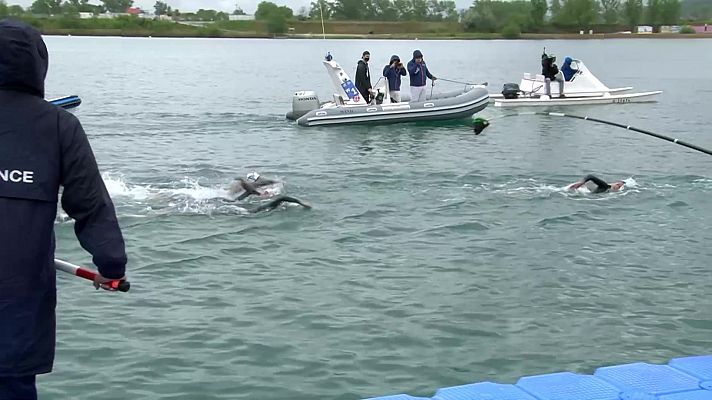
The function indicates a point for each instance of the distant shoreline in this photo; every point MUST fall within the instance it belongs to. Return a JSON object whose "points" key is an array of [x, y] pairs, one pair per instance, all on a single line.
{"points": [[225, 34]]}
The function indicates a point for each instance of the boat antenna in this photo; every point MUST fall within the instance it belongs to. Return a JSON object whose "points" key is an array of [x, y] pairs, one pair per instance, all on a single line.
{"points": [[478, 125], [321, 12]]}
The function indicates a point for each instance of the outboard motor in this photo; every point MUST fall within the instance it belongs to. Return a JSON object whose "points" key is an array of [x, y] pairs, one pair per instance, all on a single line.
{"points": [[302, 103], [510, 91]]}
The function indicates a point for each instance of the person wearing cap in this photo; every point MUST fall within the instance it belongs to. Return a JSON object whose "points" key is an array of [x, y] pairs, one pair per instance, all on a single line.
{"points": [[42, 148], [363, 77], [597, 185], [418, 73], [393, 72], [551, 73]]}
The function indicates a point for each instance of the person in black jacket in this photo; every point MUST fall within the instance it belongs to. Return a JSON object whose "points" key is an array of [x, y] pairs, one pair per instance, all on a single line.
{"points": [[551, 73], [42, 147], [363, 77]]}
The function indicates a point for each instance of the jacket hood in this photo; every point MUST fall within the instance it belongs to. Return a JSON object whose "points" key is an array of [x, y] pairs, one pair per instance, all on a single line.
{"points": [[394, 57], [23, 58], [567, 60], [417, 54]]}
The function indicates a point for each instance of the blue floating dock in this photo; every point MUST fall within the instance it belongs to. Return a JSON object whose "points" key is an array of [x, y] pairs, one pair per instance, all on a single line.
{"points": [[688, 378]]}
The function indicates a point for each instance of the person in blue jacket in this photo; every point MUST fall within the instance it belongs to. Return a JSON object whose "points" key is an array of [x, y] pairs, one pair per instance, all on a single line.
{"points": [[42, 147], [393, 71], [568, 70], [418, 73]]}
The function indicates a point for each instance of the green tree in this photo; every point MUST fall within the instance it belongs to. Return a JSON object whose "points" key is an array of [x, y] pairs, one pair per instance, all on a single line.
{"points": [[161, 8], [321, 6], [70, 9], [206, 15], [117, 6], [276, 23], [419, 10], [493, 16], [385, 10], [670, 12], [46, 7], [4, 9], [653, 12], [405, 11], [266, 9], [15, 10], [348, 10], [555, 10], [538, 12], [611, 10], [633, 12], [579, 13]]}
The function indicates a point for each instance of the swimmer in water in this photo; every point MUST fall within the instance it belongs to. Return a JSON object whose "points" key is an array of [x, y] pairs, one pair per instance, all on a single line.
{"points": [[251, 185], [597, 185]]}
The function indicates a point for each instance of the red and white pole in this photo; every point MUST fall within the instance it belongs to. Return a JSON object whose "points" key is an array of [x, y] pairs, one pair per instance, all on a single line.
{"points": [[120, 285]]}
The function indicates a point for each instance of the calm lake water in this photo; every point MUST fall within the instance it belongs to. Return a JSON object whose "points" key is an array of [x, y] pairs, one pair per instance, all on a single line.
{"points": [[432, 257]]}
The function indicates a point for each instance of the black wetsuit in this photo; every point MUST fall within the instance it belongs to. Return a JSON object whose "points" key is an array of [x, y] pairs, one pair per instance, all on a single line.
{"points": [[251, 188], [601, 185], [276, 203]]}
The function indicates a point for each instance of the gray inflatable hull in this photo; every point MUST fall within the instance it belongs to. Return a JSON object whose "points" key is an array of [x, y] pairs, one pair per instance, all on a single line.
{"points": [[460, 104]]}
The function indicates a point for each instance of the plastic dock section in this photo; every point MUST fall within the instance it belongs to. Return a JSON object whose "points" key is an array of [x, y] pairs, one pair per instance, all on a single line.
{"points": [[688, 378]]}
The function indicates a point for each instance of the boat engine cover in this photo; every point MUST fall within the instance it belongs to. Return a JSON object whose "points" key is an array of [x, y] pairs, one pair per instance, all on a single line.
{"points": [[303, 102], [510, 91]]}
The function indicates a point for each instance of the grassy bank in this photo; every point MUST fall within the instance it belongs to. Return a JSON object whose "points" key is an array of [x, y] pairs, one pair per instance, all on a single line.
{"points": [[136, 27]]}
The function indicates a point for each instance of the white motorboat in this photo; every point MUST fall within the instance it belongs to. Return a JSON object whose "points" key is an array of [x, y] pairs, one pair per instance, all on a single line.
{"points": [[583, 89]]}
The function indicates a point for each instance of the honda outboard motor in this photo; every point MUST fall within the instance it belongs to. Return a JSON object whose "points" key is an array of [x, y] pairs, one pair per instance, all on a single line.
{"points": [[302, 103], [510, 91]]}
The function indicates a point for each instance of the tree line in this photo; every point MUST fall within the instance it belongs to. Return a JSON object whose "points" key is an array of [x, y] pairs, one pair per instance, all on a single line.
{"points": [[482, 16]]}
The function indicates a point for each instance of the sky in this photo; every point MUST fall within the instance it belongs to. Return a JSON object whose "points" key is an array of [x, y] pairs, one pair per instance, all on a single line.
{"points": [[248, 6]]}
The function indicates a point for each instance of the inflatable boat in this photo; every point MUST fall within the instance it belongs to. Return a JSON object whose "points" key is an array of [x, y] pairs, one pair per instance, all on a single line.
{"points": [[348, 107]]}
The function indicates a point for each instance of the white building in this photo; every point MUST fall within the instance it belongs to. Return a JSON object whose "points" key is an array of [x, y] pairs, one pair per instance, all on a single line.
{"points": [[241, 17]]}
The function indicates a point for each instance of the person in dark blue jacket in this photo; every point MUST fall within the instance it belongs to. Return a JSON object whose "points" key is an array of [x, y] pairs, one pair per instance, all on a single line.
{"points": [[42, 147], [568, 70], [393, 71], [418, 72]]}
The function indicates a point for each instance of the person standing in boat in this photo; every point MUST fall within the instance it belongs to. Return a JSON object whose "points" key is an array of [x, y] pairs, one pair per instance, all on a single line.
{"points": [[42, 147], [418, 73], [363, 77], [551, 73], [393, 73], [568, 70]]}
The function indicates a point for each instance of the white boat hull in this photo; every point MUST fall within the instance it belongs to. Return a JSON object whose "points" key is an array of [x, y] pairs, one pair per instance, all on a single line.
{"points": [[578, 101]]}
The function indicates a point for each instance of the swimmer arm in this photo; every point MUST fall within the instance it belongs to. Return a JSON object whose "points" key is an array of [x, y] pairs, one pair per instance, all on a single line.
{"points": [[602, 185], [277, 202], [249, 189]]}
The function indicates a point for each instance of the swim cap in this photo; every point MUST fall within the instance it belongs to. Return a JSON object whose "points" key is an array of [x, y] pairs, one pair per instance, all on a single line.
{"points": [[253, 176]]}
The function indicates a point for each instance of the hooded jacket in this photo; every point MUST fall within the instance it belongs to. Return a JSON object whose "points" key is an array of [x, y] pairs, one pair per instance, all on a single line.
{"points": [[394, 74], [363, 79], [418, 72], [42, 147], [567, 70], [548, 67]]}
